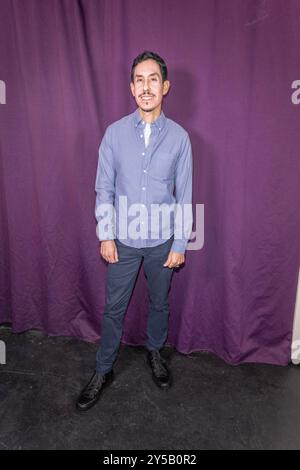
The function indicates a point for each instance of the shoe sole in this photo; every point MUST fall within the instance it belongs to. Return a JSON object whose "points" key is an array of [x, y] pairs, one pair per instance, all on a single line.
{"points": [[88, 407]]}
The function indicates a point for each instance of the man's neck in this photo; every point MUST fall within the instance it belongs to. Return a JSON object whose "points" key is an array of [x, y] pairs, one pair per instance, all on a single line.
{"points": [[150, 116]]}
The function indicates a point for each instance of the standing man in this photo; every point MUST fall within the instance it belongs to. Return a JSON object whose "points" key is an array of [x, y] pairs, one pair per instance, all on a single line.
{"points": [[144, 158]]}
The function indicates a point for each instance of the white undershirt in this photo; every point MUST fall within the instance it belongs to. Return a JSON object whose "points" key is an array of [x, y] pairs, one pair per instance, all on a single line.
{"points": [[147, 132]]}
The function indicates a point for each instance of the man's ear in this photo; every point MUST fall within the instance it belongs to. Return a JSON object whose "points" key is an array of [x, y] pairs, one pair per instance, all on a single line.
{"points": [[166, 87], [132, 88]]}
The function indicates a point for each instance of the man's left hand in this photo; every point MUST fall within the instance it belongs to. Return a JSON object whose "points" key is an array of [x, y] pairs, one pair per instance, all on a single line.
{"points": [[174, 260]]}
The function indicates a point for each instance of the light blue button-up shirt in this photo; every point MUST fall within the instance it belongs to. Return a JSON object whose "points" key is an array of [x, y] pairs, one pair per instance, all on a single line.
{"points": [[157, 176]]}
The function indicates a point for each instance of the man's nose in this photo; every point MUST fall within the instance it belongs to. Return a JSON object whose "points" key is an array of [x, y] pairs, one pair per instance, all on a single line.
{"points": [[146, 87]]}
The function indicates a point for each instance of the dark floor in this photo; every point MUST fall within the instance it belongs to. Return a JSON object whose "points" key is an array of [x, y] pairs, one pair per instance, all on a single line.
{"points": [[211, 405]]}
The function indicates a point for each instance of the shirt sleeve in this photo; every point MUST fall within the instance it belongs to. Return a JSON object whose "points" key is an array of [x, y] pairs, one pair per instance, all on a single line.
{"points": [[183, 220], [105, 190]]}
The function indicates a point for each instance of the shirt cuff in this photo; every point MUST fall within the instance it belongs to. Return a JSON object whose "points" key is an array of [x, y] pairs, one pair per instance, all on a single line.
{"points": [[179, 246], [105, 235]]}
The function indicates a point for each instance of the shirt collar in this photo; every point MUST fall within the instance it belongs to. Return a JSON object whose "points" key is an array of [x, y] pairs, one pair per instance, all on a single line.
{"points": [[159, 122]]}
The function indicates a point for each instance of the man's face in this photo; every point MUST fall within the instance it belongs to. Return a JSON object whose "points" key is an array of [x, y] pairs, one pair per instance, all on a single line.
{"points": [[148, 87]]}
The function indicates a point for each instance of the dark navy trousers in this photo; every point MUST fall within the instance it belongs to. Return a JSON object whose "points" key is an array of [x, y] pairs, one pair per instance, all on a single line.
{"points": [[121, 277]]}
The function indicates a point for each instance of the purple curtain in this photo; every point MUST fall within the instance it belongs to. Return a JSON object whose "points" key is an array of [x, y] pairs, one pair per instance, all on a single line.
{"points": [[66, 66]]}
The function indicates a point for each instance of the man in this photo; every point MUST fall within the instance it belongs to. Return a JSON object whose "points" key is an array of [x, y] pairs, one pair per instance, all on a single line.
{"points": [[143, 158]]}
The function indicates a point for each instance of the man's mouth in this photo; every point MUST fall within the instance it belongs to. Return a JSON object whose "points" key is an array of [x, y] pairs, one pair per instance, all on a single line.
{"points": [[147, 97]]}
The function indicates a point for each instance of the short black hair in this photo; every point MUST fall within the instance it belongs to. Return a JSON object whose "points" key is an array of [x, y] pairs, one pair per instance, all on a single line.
{"points": [[150, 55]]}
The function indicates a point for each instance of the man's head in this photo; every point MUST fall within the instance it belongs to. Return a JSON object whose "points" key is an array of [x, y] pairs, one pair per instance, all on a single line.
{"points": [[149, 81]]}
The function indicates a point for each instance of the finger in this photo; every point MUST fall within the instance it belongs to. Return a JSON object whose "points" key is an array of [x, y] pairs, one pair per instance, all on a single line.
{"points": [[172, 261], [111, 258], [176, 264], [116, 257], [168, 261], [169, 265], [105, 256]]}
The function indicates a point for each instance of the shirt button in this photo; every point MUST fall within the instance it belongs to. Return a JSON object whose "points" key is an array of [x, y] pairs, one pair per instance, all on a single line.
{"points": [[141, 135], [145, 171], [143, 188], [142, 223], [143, 153]]}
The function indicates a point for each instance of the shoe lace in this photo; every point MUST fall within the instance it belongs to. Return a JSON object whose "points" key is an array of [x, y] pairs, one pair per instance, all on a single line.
{"points": [[158, 364], [94, 385]]}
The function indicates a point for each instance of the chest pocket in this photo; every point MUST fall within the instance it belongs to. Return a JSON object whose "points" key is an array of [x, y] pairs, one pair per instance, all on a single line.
{"points": [[162, 166]]}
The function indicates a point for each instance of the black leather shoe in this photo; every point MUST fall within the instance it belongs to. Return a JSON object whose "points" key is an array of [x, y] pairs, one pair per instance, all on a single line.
{"points": [[160, 372], [92, 391]]}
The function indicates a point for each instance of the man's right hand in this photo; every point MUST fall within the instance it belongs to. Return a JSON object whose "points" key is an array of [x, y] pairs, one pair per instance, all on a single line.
{"points": [[108, 251]]}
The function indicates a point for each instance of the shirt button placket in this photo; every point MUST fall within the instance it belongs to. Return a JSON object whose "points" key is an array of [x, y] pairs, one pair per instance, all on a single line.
{"points": [[144, 194]]}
